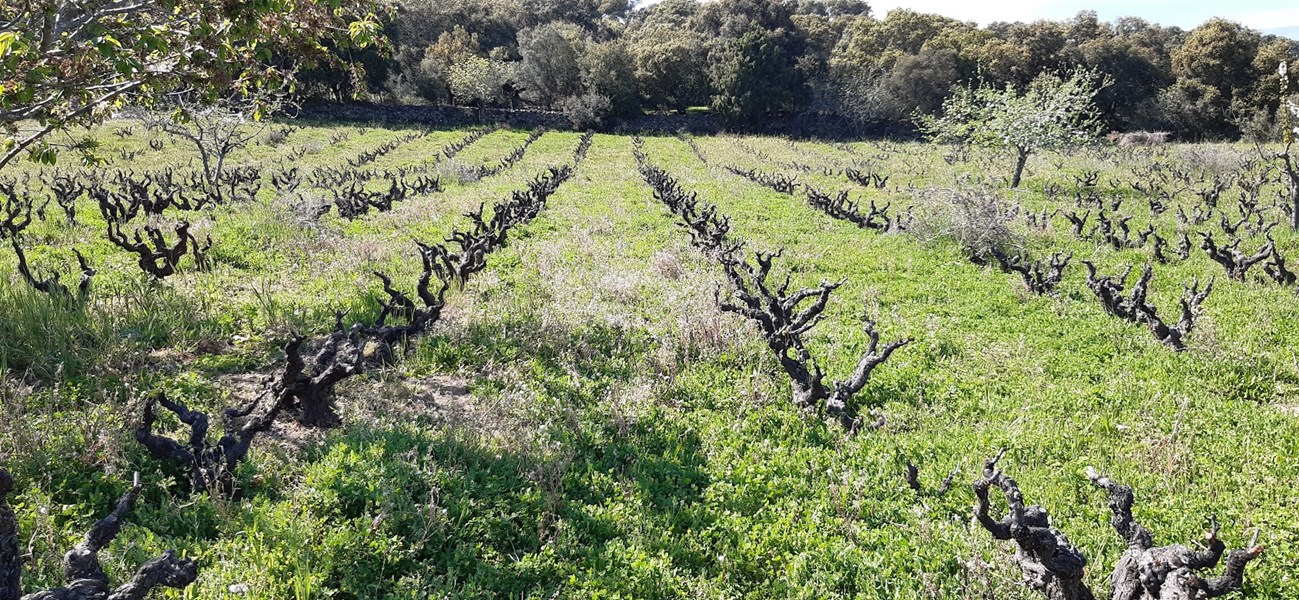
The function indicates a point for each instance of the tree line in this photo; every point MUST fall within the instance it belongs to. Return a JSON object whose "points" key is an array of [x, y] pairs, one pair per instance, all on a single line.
{"points": [[756, 63]]}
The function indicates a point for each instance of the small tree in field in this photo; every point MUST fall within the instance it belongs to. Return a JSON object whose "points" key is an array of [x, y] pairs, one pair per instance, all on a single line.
{"points": [[216, 129], [1053, 112], [480, 81]]}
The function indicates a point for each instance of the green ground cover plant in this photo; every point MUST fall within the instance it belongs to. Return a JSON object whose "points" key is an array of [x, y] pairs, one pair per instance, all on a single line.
{"points": [[584, 421]]}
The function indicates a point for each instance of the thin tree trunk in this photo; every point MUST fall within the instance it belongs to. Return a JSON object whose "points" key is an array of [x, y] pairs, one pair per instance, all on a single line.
{"points": [[1293, 175], [1294, 204], [1294, 191], [207, 162], [220, 166], [1019, 168]]}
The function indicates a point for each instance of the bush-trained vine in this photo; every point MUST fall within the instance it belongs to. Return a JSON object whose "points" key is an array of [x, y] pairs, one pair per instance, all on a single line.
{"points": [[423, 360]]}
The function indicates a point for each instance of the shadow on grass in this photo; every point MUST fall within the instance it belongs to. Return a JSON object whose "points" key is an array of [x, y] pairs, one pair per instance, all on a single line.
{"points": [[412, 509]]}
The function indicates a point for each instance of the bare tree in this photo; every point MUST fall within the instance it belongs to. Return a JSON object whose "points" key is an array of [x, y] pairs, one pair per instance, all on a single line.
{"points": [[1077, 221], [1236, 263], [840, 207], [216, 130], [1276, 269], [777, 181], [157, 257], [1041, 276]]}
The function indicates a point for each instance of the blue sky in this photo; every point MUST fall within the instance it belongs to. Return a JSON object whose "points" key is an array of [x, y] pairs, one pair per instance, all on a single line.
{"points": [[1257, 14]]}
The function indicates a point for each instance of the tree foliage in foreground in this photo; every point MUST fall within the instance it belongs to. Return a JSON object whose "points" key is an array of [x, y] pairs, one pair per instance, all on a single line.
{"points": [[1053, 112], [68, 63]]}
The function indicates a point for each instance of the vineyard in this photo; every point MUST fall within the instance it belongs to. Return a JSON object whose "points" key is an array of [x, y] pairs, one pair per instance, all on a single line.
{"points": [[359, 362]]}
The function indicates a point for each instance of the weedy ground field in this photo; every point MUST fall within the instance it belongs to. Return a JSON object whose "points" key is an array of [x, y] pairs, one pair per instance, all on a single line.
{"points": [[585, 423]]}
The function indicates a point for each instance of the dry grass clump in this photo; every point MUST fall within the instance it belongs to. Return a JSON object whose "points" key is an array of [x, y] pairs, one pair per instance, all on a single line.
{"points": [[1212, 159], [457, 171], [975, 219], [667, 265]]}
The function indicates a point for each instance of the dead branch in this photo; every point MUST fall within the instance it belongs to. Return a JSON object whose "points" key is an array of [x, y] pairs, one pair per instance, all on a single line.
{"points": [[67, 189], [308, 395], [1183, 250], [157, 257], [1078, 221], [51, 286], [1050, 563], [868, 179], [912, 476], [1159, 244], [840, 207], [17, 216], [1147, 572], [1276, 269], [776, 181], [1040, 221]]}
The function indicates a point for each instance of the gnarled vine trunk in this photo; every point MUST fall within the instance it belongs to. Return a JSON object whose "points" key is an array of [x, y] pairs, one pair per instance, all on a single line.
{"points": [[1052, 565]]}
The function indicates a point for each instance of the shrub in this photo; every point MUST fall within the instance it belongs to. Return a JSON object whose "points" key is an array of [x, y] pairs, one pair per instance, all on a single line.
{"points": [[586, 111], [977, 220], [458, 172]]}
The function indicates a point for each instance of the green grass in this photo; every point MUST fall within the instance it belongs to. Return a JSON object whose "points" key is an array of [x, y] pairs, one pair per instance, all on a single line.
{"points": [[585, 423]]}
